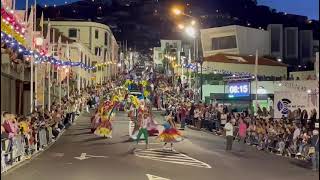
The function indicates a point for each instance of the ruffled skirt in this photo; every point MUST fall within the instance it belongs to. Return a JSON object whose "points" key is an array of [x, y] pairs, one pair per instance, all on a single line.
{"points": [[170, 135], [104, 130]]}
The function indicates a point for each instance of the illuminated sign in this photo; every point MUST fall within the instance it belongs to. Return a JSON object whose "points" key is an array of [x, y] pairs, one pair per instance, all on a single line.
{"points": [[239, 89]]}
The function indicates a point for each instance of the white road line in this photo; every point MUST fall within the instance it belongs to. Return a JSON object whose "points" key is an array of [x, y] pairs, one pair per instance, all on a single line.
{"points": [[142, 143], [170, 157], [153, 177]]}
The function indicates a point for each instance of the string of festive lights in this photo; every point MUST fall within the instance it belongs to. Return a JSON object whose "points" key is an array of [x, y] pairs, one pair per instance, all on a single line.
{"points": [[12, 43], [8, 17]]}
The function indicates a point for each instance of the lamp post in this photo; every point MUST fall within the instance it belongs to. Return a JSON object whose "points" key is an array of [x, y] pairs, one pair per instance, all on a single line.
{"points": [[195, 34]]}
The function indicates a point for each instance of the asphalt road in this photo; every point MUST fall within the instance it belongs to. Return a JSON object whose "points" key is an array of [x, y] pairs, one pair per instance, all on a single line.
{"points": [[201, 156]]}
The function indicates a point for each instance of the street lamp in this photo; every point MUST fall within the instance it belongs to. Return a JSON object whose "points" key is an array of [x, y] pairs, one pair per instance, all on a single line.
{"points": [[191, 31], [181, 26], [177, 11]]}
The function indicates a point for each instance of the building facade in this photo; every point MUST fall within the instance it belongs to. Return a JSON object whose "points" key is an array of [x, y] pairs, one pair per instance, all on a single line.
{"points": [[98, 45], [234, 39]]}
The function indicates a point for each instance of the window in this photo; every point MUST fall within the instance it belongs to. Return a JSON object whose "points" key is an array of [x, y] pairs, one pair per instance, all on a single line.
{"points": [[105, 55], [106, 38], [96, 34], [227, 42], [275, 39], [97, 51], [175, 45], [73, 33]]}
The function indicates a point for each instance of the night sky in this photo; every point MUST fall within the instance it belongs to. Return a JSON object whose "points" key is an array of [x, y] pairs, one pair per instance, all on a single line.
{"points": [[308, 8]]}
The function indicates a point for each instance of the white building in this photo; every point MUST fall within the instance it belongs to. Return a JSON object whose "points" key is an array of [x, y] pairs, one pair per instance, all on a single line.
{"points": [[234, 39], [97, 41], [157, 56], [236, 64]]}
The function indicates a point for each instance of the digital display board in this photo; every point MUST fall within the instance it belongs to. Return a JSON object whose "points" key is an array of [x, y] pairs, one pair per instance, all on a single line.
{"points": [[239, 89]]}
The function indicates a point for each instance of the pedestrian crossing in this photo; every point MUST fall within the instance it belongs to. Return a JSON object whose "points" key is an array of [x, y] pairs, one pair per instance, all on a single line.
{"points": [[170, 157]]}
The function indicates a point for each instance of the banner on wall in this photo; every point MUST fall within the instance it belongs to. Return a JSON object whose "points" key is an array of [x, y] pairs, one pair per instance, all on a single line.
{"points": [[41, 72], [285, 101]]}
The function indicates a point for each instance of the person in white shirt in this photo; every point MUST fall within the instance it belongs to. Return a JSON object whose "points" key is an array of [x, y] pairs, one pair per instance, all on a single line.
{"points": [[296, 133], [229, 134]]}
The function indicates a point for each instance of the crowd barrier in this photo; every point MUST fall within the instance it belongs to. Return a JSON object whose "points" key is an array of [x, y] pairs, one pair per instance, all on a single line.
{"points": [[292, 148], [22, 147]]}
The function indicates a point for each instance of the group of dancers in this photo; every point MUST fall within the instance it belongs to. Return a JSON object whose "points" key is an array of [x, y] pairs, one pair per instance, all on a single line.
{"points": [[140, 113]]}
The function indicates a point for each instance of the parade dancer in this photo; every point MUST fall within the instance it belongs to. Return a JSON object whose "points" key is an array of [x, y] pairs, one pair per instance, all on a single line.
{"points": [[170, 133], [105, 128], [143, 129]]}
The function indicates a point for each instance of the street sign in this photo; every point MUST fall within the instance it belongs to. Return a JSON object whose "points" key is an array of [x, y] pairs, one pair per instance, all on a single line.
{"points": [[153, 177], [84, 156]]}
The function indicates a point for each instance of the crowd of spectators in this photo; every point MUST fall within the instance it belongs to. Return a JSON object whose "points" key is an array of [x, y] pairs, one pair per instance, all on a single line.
{"points": [[291, 135], [22, 136]]}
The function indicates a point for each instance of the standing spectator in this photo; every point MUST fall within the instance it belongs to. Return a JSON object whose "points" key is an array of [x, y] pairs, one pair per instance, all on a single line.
{"points": [[242, 133], [229, 134], [315, 146], [296, 135]]}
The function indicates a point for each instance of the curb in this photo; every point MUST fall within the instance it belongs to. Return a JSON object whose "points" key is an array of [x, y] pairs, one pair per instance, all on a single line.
{"points": [[26, 161]]}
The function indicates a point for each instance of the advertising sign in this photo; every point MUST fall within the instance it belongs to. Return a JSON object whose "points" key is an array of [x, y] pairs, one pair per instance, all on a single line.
{"points": [[239, 89], [285, 101]]}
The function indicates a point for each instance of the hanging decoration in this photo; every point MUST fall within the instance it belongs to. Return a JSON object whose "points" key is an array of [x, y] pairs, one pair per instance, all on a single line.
{"points": [[104, 64], [11, 26], [12, 43]]}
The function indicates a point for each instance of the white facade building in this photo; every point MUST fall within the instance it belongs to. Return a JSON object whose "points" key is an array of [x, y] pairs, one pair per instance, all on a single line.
{"points": [[95, 44], [157, 56], [234, 40]]}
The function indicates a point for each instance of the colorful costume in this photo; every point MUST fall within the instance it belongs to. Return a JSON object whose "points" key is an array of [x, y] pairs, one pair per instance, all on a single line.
{"points": [[95, 122], [170, 134], [152, 127], [105, 128], [103, 120]]}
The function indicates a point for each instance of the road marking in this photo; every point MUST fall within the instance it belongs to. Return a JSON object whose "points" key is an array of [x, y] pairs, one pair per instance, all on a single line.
{"points": [[84, 156], [142, 143], [153, 177], [57, 154], [170, 157]]}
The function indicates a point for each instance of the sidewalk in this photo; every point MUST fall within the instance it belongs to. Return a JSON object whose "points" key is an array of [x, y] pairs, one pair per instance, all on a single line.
{"points": [[24, 159]]}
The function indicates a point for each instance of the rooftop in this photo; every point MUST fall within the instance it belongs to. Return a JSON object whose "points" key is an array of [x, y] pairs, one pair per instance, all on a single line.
{"points": [[242, 59]]}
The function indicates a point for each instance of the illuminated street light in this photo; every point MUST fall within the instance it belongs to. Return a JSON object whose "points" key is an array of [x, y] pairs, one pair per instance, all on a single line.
{"points": [[181, 26], [279, 60], [176, 11], [191, 31], [193, 22]]}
